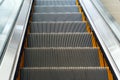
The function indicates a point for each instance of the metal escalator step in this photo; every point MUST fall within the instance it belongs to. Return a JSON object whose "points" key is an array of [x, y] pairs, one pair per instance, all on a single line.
{"points": [[50, 9], [61, 57], [56, 17], [59, 40], [57, 27], [55, 2], [64, 74]]}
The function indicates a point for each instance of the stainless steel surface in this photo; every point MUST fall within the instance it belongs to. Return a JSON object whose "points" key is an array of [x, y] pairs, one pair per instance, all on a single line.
{"points": [[108, 41], [10, 59], [1, 1], [113, 25], [113, 6], [8, 15]]}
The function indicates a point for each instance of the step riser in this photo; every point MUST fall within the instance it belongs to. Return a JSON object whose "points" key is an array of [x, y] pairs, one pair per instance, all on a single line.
{"points": [[55, 9], [59, 40], [79, 74], [57, 17], [55, 3], [61, 58], [57, 27]]}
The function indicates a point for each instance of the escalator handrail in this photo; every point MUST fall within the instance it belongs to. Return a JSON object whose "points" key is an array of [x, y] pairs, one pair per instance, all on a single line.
{"points": [[12, 53], [108, 41]]}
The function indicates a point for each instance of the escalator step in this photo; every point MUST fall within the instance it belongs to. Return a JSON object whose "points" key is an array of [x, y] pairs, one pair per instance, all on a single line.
{"points": [[57, 27], [57, 17], [61, 57], [59, 40], [55, 2], [50, 9], [64, 74]]}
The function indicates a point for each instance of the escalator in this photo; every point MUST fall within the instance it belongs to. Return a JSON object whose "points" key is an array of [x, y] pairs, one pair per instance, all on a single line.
{"points": [[60, 45]]}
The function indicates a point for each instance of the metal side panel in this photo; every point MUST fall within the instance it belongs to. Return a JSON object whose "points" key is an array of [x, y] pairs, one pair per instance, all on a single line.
{"points": [[55, 3], [92, 73], [59, 40], [56, 17], [106, 37], [12, 52], [112, 17], [61, 57], [52, 9], [57, 27]]}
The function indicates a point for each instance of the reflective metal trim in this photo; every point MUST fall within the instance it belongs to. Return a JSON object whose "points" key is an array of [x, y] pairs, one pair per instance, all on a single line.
{"points": [[12, 53], [1, 1], [113, 24], [105, 36]]}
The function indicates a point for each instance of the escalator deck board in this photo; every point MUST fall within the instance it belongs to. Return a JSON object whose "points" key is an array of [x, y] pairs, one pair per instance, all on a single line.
{"points": [[57, 27], [56, 17], [64, 74], [61, 57], [59, 40]]}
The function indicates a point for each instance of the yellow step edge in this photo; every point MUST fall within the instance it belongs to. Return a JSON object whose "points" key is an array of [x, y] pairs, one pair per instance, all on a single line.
{"points": [[94, 41], [110, 76], [88, 27], [101, 58], [79, 8], [77, 3], [83, 17]]}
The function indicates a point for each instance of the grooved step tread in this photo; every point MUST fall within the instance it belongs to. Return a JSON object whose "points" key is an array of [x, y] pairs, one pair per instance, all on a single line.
{"points": [[59, 40], [67, 57], [55, 9], [57, 16], [53, 27], [64, 74], [54, 2]]}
